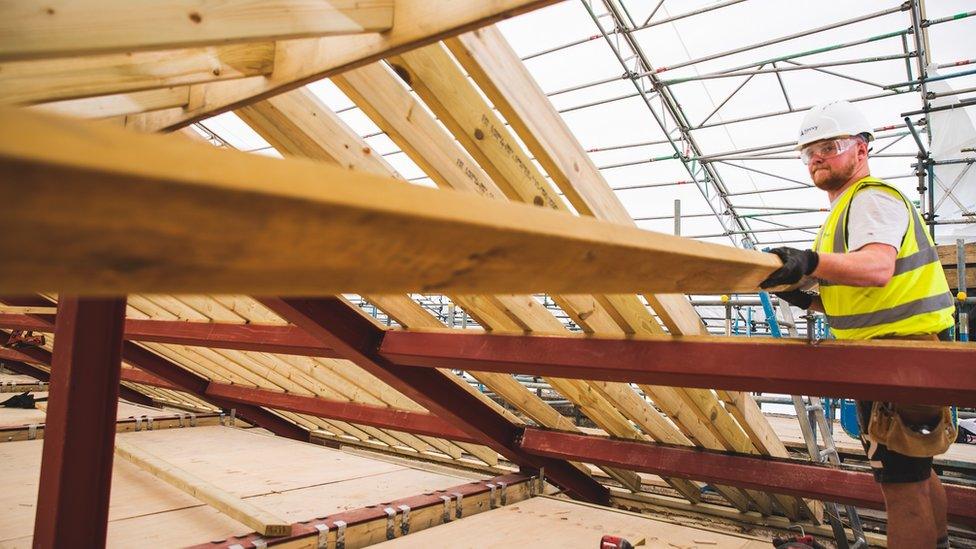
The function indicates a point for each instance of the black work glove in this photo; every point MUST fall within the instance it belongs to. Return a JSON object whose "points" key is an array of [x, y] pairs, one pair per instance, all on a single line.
{"points": [[796, 265], [798, 298]]}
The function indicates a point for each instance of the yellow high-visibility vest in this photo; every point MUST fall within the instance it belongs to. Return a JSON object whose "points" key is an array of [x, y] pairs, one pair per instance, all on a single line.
{"points": [[915, 301]]}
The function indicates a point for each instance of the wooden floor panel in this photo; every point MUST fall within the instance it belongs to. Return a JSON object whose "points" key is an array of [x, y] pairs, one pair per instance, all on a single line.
{"points": [[550, 522], [294, 480]]}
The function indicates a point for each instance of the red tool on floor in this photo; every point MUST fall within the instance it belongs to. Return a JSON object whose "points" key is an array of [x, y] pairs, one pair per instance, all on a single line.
{"points": [[797, 542], [617, 542]]}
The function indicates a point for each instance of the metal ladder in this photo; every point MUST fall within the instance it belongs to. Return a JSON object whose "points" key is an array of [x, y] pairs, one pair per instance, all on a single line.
{"points": [[811, 416]]}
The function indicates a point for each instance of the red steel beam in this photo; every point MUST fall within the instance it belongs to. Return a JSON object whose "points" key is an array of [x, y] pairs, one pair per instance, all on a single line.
{"points": [[18, 361], [289, 340], [197, 386], [420, 423], [157, 371], [933, 373], [899, 371], [135, 375], [79, 431], [340, 326], [784, 476]]}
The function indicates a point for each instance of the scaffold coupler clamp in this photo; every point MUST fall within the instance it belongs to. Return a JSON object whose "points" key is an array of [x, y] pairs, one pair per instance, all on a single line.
{"points": [[812, 337]]}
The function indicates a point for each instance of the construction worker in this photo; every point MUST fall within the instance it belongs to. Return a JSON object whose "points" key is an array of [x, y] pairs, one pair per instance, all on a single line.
{"points": [[879, 277]]}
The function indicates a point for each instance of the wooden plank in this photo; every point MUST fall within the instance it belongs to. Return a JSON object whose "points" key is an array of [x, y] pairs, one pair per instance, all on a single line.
{"points": [[107, 106], [13, 309], [85, 27], [297, 124], [383, 97], [301, 61], [28, 82], [415, 239]]}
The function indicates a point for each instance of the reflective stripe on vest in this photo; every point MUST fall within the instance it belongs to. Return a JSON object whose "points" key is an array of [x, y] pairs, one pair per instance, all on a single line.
{"points": [[917, 297]]}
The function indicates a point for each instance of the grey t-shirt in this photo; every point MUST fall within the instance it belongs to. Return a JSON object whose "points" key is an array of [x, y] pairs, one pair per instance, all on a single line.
{"points": [[876, 217]]}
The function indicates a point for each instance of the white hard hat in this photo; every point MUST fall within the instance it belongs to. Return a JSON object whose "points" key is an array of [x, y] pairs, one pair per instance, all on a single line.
{"points": [[833, 119]]}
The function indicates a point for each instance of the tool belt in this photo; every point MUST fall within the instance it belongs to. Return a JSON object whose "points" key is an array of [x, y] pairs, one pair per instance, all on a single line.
{"points": [[912, 429]]}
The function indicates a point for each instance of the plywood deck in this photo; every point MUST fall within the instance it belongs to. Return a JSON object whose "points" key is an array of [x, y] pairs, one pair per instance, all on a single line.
{"points": [[551, 522], [294, 480]]}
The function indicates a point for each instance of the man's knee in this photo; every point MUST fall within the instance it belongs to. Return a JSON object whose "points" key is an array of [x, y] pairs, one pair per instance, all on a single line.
{"points": [[912, 493]]}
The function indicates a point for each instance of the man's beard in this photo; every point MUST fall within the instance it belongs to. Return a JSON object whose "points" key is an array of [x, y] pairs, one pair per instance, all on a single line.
{"points": [[827, 179]]}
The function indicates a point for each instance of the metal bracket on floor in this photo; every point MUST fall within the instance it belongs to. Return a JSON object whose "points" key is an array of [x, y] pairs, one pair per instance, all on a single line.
{"points": [[193, 419], [340, 534], [181, 415], [491, 495], [32, 431], [149, 423], [138, 423], [390, 515], [404, 519], [458, 508], [220, 419], [533, 484], [447, 509], [233, 416], [323, 539], [502, 498]]}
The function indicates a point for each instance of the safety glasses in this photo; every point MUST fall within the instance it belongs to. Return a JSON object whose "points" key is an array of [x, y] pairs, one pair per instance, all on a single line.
{"points": [[826, 149]]}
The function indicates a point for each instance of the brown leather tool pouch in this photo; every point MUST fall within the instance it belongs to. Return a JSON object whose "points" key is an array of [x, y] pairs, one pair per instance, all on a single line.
{"points": [[912, 430]]}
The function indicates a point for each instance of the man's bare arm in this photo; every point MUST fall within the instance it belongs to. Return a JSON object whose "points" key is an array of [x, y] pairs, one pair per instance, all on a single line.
{"points": [[872, 265]]}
